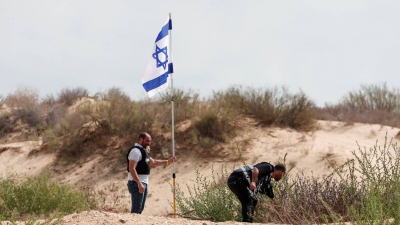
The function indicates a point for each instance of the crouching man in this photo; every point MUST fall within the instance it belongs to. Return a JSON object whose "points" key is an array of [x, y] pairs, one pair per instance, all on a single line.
{"points": [[247, 181]]}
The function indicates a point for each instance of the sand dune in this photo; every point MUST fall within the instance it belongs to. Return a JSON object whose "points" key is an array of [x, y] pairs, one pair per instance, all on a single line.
{"points": [[305, 151]]}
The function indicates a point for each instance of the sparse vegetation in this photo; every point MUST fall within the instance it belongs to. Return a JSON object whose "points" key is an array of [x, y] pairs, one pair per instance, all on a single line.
{"points": [[30, 116], [374, 104], [69, 96], [22, 198], [186, 105], [209, 198], [6, 124], [373, 97], [271, 107], [212, 126], [363, 190], [23, 97]]}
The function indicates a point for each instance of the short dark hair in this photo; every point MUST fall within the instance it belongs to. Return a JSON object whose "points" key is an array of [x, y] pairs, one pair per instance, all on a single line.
{"points": [[142, 135], [280, 167]]}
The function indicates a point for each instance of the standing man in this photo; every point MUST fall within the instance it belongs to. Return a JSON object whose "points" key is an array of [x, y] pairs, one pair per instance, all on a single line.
{"points": [[139, 162], [247, 181]]}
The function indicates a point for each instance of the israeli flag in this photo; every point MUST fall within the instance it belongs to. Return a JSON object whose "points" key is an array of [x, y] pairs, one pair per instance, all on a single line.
{"points": [[157, 74]]}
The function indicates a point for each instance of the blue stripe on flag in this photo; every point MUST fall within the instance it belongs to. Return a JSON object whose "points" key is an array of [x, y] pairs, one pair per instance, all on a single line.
{"points": [[158, 81], [164, 31]]}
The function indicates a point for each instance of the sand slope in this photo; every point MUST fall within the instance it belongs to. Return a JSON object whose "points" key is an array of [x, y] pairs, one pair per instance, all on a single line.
{"points": [[305, 151]]}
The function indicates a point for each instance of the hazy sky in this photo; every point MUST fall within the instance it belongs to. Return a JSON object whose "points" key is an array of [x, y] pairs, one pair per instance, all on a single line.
{"points": [[324, 48]]}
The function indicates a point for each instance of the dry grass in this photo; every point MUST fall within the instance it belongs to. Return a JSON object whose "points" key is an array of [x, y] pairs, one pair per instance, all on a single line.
{"points": [[373, 104], [69, 96]]}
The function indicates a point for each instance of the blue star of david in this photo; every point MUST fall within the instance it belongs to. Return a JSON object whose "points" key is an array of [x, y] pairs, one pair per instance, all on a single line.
{"points": [[161, 51]]}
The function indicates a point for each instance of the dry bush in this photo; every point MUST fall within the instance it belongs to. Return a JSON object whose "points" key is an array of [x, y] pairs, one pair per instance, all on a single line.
{"points": [[186, 104], [91, 137], [270, 106], [55, 114], [82, 141], [305, 199], [72, 148], [216, 120], [373, 97], [1, 101], [296, 111], [23, 98], [93, 125], [109, 198], [69, 96], [6, 125], [364, 190], [231, 101], [212, 125], [371, 104], [49, 100], [25, 107], [58, 135], [115, 107], [346, 114], [125, 117], [31, 116]]}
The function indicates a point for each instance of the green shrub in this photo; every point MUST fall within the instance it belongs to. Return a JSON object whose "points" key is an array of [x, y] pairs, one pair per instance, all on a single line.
{"points": [[378, 169], [209, 198], [39, 196]]}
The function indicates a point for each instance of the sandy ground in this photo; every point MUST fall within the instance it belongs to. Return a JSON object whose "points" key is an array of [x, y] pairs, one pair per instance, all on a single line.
{"points": [[305, 151], [107, 218]]}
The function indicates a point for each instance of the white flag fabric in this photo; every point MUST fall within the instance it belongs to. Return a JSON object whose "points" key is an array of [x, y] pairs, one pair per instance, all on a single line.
{"points": [[160, 67]]}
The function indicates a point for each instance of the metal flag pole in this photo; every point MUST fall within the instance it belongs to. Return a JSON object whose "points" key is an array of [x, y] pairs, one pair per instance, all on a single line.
{"points": [[173, 125]]}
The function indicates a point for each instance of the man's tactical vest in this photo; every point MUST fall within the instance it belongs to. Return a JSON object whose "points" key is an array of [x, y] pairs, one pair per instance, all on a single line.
{"points": [[143, 166], [263, 184]]}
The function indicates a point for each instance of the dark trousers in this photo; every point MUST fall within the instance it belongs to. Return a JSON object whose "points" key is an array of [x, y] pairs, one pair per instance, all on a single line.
{"points": [[240, 187], [137, 199]]}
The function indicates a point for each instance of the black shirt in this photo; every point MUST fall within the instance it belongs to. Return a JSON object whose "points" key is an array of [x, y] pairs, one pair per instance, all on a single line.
{"points": [[264, 179]]}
